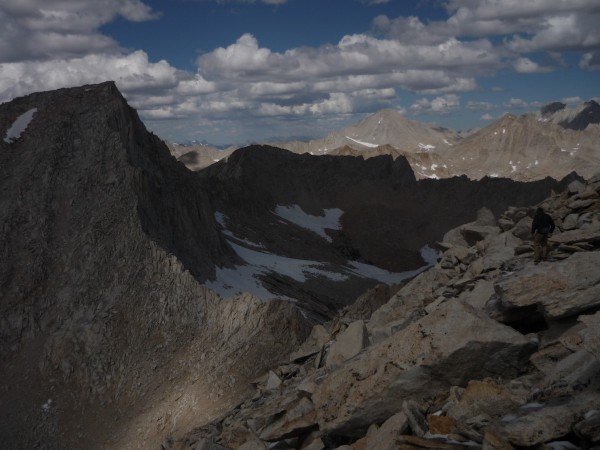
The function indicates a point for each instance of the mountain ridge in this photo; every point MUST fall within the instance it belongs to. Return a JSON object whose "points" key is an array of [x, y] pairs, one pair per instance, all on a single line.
{"points": [[564, 140], [112, 332]]}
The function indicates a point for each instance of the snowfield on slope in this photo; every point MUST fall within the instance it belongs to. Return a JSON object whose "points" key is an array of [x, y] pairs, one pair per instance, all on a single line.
{"points": [[19, 126], [259, 262]]}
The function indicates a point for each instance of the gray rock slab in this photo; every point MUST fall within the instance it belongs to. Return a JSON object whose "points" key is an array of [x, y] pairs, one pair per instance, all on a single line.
{"points": [[448, 347], [348, 343], [560, 289]]}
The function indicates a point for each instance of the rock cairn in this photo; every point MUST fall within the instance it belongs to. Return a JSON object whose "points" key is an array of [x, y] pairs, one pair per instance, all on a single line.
{"points": [[485, 350]]}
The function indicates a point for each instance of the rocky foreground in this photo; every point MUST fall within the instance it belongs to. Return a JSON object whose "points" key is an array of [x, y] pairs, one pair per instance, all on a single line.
{"points": [[485, 350]]}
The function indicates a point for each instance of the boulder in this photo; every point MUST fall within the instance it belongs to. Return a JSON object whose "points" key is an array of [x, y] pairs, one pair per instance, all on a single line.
{"points": [[541, 425], [581, 204], [414, 442], [439, 424], [522, 229], [416, 419], [486, 396], [273, 381], [348, 343], [297, 419], [384, 438], [570, 222], [314, 343], [253, 445], [559, 289], [406, 306], [450, 346], [468, 234], [591, 333], [499, 249], [589, 427], [575, 187], [478, 297], [207, 444], [492, 440], [475, 233], [575, 372], [591, 234]]}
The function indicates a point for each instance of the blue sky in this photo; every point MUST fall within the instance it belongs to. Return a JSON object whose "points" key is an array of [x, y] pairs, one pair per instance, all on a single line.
{"points": [[238, 71]]}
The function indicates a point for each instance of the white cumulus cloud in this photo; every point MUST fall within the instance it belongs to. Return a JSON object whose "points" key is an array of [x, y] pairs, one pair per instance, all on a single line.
{"points": [[438, 106]]}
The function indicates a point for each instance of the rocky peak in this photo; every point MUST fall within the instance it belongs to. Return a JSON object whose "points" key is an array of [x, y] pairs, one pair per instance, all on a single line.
{"points": [[551, 108], [578, 118], [104, 239]]}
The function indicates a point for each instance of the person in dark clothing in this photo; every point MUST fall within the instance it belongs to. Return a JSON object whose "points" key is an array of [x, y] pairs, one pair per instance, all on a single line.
{"points": [[542, 227]]}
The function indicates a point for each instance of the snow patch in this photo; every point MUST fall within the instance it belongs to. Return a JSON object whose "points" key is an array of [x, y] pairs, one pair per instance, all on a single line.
{"points": [[246, 277], [258, 262], [532, 406], [19, 126], [366, 144], [426, 147], [448, 143], [221, 218], [316, 224], [46, 406]]}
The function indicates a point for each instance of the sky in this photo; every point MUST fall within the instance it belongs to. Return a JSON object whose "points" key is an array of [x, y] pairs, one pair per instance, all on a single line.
{"points": [[241, 71]]}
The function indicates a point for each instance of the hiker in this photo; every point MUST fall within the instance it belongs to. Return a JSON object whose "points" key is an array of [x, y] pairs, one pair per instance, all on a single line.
{"points": [[542, 227]]}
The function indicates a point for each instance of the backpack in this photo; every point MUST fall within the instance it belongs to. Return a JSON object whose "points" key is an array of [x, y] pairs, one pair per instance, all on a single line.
{"points": [[544, 229]]}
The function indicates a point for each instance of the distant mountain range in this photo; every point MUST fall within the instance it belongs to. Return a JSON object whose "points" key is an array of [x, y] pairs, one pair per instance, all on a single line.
{"points": [[551, 142]]}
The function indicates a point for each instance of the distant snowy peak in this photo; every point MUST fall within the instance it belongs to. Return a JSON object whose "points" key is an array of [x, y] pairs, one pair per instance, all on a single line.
{"points": [[387, 127], [366, 144]]}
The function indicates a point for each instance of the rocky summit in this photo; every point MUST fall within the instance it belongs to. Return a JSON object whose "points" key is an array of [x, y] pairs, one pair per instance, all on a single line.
{"points": [[279, 300]]}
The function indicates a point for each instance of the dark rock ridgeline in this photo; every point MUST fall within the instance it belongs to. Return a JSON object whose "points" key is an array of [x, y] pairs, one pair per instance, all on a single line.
{"points": [[388, 215], [590, 114], [103, 238]]}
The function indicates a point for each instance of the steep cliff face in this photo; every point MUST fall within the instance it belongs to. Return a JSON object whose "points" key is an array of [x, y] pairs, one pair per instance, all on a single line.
{"points": [[103, 240]]}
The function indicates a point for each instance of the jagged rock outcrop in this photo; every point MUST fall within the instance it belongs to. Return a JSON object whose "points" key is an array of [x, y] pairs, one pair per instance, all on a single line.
{"points": [[106, 332], [485, 363], [579, 118], [385, 127]]}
